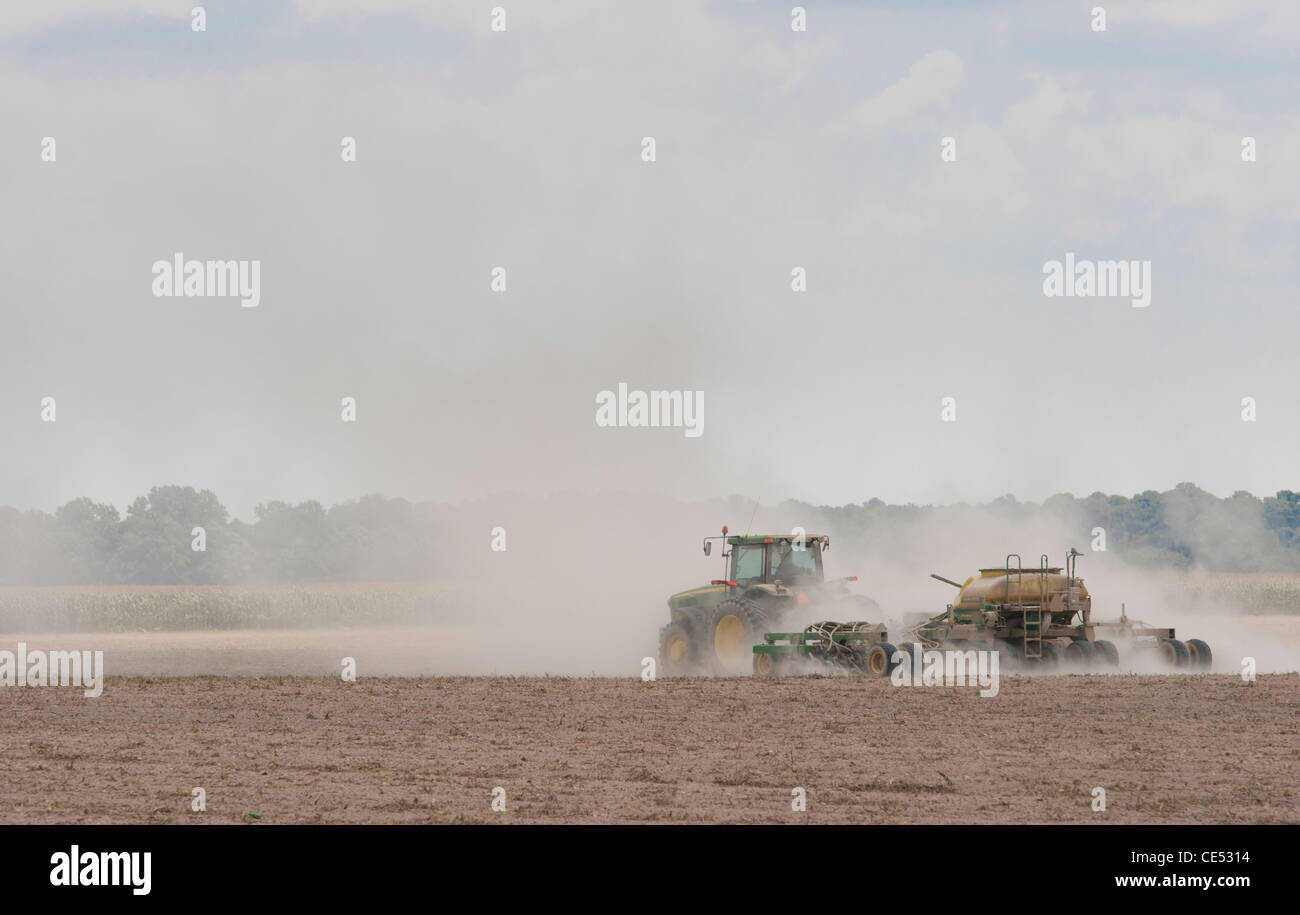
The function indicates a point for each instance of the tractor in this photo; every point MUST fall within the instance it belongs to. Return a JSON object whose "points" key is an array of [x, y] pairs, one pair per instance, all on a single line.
{"points": [[1042, 618], [714, 630]]}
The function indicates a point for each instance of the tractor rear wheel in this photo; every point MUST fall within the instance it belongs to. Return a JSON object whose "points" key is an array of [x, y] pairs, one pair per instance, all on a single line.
{"points": [[735, 627], [679, 649], [1173, 652], [1107, 652], [1200, 654]]}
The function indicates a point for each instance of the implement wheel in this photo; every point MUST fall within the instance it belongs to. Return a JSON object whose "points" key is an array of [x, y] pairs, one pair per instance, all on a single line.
{"points": [[1079, 655], [1051, 658], [734, 629], [771, 664], [1107, 652], [1199, 654], [1173, 652], [880, 659]]}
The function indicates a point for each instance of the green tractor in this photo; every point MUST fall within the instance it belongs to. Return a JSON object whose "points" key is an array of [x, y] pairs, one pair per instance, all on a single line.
{"points": [[713, 630]]}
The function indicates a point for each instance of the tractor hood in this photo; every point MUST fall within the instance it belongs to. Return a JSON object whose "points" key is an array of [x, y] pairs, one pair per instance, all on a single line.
{"points": [[698, 597]]}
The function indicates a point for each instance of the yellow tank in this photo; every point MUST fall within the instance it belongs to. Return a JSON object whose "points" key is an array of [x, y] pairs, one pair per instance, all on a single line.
{"points": [[992, 586]]}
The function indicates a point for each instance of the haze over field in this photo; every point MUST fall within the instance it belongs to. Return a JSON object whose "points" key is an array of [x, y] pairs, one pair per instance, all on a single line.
{"points": [[522, 149]]}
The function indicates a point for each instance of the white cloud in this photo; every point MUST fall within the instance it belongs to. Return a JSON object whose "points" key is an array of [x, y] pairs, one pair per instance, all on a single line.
{"points": [[930, 83], [1044, 110]]}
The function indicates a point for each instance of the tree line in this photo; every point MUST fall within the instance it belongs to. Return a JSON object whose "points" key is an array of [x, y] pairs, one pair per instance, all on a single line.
{"points": [[382, 539], [85, 542]]}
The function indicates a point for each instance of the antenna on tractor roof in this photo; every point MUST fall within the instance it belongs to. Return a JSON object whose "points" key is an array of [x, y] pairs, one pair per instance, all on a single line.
{"points": [[749, 527]]}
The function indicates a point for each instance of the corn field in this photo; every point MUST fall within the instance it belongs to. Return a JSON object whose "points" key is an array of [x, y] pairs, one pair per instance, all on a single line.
{"points": [[178, 608], [1253, 593]]}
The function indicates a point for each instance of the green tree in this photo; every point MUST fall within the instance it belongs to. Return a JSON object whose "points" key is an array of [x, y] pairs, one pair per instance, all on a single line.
{"points": [[156, 537], [86, 533]]}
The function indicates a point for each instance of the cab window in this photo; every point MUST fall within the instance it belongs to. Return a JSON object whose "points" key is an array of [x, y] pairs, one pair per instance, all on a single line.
{"points": [[789, 565], [747, 564]]}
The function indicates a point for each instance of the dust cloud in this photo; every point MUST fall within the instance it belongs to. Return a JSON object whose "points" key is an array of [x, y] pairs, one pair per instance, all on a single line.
{"points": [[580, 590]]}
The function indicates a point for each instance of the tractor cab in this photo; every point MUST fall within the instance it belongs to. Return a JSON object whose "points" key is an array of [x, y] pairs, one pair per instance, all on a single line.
{"points": [[778, 561]]}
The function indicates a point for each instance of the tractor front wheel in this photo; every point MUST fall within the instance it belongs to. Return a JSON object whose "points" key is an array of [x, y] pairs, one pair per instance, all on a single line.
{"points": [[678, 650]]}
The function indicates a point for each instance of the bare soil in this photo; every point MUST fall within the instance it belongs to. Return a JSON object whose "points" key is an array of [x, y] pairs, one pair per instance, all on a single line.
{"points": [[295, 749]]}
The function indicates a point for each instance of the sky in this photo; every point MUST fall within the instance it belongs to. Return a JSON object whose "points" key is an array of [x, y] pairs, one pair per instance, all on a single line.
{"points": [[522, 149]]}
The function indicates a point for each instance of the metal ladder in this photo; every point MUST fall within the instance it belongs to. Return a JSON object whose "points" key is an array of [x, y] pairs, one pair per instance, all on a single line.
{"points": [[1039, 623], [1032, 616]]}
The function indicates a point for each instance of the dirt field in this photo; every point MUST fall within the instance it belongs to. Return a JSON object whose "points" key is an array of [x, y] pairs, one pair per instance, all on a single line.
{"points": [[1185, 749]]}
